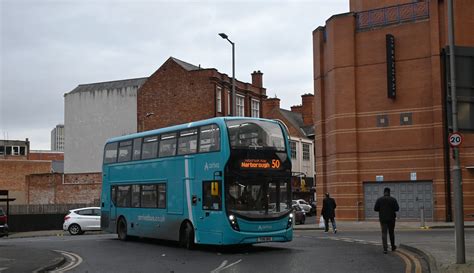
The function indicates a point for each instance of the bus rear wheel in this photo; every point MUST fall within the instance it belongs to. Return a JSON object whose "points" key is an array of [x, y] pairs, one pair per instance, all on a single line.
{"points": [[186, 237], [122, 229]]}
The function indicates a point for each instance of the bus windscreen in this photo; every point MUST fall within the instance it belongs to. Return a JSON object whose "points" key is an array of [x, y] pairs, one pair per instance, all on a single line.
{"points": [[255, 134]]}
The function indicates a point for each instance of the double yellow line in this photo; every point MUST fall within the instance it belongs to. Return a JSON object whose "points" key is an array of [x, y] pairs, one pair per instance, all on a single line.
{"points": [[408, 258]]}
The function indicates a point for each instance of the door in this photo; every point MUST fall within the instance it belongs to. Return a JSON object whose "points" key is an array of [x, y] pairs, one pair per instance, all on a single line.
{"points": [[412, 197], [113, 209]]}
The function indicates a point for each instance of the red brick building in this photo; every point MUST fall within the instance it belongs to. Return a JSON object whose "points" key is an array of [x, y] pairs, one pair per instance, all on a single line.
{"points": [[179, 92], [368, 138], [36, 177]]}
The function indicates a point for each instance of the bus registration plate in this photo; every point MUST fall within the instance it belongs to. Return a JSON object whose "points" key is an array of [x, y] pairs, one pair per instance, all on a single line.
{"points": [[264, 239]]}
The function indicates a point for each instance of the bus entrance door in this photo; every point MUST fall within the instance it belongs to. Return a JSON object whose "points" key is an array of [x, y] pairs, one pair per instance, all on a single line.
{"points": [[210, 212]]}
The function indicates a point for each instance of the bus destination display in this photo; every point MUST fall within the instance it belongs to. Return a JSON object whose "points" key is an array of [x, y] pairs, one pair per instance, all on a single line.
{"points": [[260, 164]]}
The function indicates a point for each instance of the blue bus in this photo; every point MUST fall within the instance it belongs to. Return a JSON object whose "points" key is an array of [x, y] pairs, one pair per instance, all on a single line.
{"points": [[220, 181]]}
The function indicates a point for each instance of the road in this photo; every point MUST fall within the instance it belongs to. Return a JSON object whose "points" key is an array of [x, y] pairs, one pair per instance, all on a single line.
{"points": [[310, 251]]}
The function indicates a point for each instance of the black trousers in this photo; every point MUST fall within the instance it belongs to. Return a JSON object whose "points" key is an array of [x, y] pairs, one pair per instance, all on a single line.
{"points": [[390, 227], [326, 223]]}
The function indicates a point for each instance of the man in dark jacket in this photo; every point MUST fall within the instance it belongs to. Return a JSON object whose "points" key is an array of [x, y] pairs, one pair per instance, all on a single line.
{"points": [[387, 207], [328, 213]]}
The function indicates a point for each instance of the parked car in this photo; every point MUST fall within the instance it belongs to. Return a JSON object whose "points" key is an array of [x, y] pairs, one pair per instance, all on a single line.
{"points": [[300, 216], [77, 221], [3, 223], [303, 205]]}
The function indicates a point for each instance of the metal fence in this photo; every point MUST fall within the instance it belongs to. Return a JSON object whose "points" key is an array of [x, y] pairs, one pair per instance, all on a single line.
{"points": [[47, 208], [392, 15]]}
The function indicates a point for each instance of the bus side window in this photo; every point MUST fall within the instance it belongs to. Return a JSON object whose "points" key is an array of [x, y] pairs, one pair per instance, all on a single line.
{"points": [[123, 196], [187, 142], [114, 195], [148, 196], [110, 155], [209, 139], [137, 149], [162, 196], [135, 196], [150, 147], [168, 145], [125, 151], [211, 195]]}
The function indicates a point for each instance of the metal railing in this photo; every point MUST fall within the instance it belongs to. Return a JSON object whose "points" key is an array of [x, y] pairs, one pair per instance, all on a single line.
{"points": [[392, 15]]}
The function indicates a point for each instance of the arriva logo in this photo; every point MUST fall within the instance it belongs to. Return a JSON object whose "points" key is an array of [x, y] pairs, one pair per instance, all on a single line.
{"points": [[213, 165], [266, 227]]}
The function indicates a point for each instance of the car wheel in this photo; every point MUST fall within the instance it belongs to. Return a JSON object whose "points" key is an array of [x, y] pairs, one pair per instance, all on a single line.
{"points": [[74, 229], [122, 229], [187, 236]]}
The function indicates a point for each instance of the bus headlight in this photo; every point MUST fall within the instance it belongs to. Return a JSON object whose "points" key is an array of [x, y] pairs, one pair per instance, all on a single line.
{"points": [[233, 222], [290, 220]]}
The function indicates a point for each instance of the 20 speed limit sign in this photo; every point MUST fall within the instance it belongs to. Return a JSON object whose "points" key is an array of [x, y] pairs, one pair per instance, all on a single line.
{"points": [[455, 139]]}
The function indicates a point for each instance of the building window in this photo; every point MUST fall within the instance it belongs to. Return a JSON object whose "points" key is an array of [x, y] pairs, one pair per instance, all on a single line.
{"points": [[255, 108], [219, 99], [240, 107], [382, 120], [306, 155], [293, 149]]}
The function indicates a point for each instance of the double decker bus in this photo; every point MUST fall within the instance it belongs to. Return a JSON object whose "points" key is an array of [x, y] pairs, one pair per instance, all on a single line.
{"points": [[219, 181]]}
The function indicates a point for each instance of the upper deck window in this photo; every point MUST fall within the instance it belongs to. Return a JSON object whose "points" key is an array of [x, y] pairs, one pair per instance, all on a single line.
{"points": [[187, 143], [168, 145], [209, 140], [255, 134], [110, 153], [150, 147]]}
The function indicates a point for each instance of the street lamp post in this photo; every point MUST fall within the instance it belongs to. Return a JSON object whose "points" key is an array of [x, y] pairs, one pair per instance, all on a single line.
{"points": [[224, 36]]}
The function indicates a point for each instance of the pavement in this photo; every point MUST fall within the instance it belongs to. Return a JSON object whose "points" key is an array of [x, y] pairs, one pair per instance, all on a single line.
{"points": [[439, 253]]}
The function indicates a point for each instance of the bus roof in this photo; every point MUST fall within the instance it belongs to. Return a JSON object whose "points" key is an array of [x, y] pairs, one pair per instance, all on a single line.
{"points": [[217, 120]]}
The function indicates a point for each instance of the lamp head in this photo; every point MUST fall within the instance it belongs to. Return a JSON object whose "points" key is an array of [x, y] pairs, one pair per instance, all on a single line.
{"points": [[223, 35]]}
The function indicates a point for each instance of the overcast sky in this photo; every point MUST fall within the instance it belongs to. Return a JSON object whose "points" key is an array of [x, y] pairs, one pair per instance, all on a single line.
{"points": [[49, 47]]}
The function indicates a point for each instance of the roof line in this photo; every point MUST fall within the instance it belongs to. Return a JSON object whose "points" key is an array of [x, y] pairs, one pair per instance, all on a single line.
{"points": [[114, 81]]}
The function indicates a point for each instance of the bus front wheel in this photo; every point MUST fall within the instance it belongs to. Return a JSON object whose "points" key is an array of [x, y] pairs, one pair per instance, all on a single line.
{"points": [[122, 229], [187, 236]]}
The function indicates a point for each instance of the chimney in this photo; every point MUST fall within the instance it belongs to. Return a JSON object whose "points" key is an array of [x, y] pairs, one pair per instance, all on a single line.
{"points": [[269, 105], [307, 109], [297, 109], [257, 79]]}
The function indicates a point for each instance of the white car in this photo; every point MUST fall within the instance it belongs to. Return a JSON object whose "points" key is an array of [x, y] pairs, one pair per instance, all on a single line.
{"points": [[305, 206], [77, 221]]}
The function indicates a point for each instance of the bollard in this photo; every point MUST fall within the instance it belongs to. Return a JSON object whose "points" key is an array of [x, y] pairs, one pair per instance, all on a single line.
{"points": [[422, 216]]}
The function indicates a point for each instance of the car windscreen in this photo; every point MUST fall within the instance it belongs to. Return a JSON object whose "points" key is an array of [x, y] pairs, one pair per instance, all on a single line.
{"points": [[255, 134]]}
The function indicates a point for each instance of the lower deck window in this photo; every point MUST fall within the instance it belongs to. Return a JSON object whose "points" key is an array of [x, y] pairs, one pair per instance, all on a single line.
{"points": [[140, 196]]}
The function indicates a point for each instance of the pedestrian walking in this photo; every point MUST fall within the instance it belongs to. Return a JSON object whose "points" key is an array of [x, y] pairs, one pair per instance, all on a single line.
{"points": [[387, 206], [329, 213]]}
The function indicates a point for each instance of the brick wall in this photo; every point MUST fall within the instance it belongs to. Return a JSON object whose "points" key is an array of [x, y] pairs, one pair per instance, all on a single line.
{"points": [[45, 156], [13, 173], [352, 146], [175, 95], [76, 188]]}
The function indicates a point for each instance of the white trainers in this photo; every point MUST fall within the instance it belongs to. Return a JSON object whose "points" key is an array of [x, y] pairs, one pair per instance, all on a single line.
{"points": [[335, 231]]}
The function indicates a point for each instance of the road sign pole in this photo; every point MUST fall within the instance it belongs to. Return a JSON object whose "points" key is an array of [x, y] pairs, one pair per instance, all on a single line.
{"points": [[457, 182]]}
